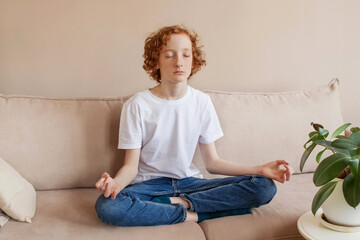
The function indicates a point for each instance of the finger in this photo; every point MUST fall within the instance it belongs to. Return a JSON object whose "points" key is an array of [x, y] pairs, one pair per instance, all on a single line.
{"points": [[107, 181], [113, 195], [282, 168], [280, 180], [283, 178], [101, 191], [105, 175], [288, 175], [279, 162], [107, 190], [278, 177], [288, 172], [98, 183], [103, 185]]}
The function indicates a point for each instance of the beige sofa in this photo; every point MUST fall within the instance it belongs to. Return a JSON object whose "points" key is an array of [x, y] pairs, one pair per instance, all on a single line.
{"points": [[61, 146]]}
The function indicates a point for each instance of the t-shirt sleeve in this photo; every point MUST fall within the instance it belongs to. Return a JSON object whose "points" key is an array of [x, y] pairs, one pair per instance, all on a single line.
{"points": [[130, 136], [210, 125]]}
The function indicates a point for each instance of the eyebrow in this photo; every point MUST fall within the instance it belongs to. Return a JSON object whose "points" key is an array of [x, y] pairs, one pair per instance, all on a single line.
{"points": [[169, 49]]}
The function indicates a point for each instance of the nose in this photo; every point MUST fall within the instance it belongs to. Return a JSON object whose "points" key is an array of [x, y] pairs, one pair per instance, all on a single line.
{"points": [[179, 61]]}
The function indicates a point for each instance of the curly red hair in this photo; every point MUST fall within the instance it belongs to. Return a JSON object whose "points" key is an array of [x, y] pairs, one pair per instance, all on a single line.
{"points": [[157, 40]]}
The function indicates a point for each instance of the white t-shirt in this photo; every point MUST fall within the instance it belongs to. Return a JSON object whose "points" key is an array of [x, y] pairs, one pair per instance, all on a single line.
{"points": [[167, 131]]}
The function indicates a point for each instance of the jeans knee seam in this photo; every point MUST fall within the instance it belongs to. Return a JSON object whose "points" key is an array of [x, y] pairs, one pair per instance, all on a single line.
{"points": [[202, 188], [161, 193]]}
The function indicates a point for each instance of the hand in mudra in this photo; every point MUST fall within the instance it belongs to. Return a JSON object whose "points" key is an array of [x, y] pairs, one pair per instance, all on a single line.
{"points": [[107, 186], [279, 170]]}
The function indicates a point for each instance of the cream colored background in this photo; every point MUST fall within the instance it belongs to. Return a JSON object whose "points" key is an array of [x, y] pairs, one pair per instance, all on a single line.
{"points": [[83, 48]]}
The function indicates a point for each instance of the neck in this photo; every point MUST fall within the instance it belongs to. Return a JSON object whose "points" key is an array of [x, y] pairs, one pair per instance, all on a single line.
{"points": [[170, 91]]}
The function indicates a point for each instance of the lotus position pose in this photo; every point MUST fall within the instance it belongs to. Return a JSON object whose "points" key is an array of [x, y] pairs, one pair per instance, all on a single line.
{"points": [[159, 130]]}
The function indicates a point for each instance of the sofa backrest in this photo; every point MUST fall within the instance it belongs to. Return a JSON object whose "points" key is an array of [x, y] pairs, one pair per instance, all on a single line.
{"points": [[60, 143], [69, 142], [260, 127]]}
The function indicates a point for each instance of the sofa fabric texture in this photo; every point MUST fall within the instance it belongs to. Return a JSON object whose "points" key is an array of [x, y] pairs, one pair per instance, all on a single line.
{"points": [[62, 146]]}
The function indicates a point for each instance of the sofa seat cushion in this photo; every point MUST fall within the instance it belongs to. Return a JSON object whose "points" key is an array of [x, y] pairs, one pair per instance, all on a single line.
{"points": [[277, 220], [70, 214]]}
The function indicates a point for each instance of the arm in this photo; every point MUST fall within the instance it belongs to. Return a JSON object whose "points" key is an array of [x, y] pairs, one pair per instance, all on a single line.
{"points": [[112, 186], [278, 170]]}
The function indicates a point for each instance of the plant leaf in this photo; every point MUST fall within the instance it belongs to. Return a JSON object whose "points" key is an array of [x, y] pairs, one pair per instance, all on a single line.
{"points": [[313, 138], [354, 152], [340, 130], [323, 132], [355, 137], [318, 156], [355, 129], [327, 144], [351, 185], [341, 137], [348, 144], [322, 195], [330, 168], [311, 134], [305, 155]]}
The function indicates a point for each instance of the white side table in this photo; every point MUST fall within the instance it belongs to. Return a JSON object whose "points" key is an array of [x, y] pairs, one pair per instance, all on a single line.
{"points": [[311, 228]]}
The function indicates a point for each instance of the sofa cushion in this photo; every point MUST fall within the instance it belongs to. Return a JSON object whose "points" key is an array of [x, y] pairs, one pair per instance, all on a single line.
{"points": [[60, 143], [70, 214], [17, 196], [259, 127], [276, 220]]}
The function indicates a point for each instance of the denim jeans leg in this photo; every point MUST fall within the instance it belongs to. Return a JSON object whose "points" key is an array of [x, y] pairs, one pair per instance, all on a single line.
{"points": [[212, 195], [132, 206]]}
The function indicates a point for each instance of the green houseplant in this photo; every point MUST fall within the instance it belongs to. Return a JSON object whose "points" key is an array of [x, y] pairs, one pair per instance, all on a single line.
{"points": [[343, 162]]}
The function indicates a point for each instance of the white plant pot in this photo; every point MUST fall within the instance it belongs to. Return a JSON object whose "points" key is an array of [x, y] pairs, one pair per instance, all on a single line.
{"points": [[338, 211]]}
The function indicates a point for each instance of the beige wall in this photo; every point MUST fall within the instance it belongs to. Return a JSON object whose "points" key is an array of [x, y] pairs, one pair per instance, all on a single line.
{"points": [[94, 48]]}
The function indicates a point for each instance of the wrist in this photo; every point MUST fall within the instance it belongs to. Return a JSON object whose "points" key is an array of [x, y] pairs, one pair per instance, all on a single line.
{"points": [[259, 170]]}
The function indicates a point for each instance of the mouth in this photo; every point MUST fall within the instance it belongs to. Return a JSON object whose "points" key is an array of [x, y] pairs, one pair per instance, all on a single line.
{"points": [[179, 72]]}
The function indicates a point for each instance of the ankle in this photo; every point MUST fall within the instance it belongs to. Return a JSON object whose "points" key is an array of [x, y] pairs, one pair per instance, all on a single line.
{"points": [[191, 217]]}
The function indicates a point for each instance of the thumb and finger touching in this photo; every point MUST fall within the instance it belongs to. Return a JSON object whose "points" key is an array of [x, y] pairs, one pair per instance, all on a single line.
{"points": [[99, 183], [110, 188], [105, 175]]}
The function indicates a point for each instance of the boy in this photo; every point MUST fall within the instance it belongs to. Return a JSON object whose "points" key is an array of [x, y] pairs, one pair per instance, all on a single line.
{"points": [[160, 129]]}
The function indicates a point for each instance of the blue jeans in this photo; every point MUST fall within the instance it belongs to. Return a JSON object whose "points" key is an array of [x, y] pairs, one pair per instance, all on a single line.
{"points": [[133, 206]]}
